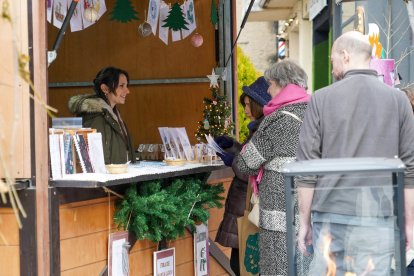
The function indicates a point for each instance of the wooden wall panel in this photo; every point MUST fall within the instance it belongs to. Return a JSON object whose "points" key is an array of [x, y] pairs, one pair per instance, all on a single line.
{"points": [[78, 221], [82, 54], [108, 42], [84, 238], [83, 250], [90, 269], [9, 244], [14, 96], [149, 107], [9, 261]]}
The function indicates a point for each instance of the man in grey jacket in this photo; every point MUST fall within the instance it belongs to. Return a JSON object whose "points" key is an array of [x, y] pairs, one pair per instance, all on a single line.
{"points": [[357, 116]]}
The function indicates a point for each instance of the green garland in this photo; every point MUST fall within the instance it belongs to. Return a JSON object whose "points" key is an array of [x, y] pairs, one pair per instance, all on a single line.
{"points": [[160, 210]]}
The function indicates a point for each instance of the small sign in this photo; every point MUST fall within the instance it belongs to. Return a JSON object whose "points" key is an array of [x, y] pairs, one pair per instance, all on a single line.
{"points": [[118, 257], [164, 262], [315, 7], [201, 250]]}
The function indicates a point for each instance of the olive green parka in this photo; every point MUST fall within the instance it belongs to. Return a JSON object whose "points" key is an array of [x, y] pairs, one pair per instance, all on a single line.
{"points": [[97, 114]]}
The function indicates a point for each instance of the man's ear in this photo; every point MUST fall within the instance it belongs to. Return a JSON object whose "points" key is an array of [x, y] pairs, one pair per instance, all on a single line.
{"points": [[345, 56], [104, 88]]}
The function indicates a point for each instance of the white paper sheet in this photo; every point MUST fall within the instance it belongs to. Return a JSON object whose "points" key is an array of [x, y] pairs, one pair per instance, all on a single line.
{"points": [[213, 145], [59, 12], [117, 263], [96, 152], [163, 31], [55, 160], [153, 13], [185, 142], [76, 20], [176, 35], [189, 11], [49, 9]]}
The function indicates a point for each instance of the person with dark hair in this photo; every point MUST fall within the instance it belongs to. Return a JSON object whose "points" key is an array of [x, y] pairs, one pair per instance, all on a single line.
{"points": [[273, 145], [99, 111], [253, 99]]}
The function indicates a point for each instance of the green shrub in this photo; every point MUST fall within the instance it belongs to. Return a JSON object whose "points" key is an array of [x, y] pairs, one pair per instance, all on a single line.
{"points": [[247, 74]]}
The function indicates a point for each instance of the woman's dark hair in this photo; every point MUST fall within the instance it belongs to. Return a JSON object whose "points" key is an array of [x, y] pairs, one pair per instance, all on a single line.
{"points": [[255, 108], [110, 77]]}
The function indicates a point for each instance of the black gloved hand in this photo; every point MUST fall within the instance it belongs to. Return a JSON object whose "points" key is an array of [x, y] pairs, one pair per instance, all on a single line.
{"points": [[227, 158], [224, 141]]}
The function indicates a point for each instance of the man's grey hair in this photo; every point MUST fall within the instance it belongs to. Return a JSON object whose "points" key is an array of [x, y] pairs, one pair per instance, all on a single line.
{"points": [[287, 72]]}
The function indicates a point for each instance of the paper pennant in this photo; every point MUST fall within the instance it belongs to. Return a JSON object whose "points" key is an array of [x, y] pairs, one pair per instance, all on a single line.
{"points": [[163, 31], [153, 13]]}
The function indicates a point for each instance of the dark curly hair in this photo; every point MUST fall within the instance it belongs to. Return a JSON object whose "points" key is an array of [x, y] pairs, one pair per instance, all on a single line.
{"points": [[110, 77]]}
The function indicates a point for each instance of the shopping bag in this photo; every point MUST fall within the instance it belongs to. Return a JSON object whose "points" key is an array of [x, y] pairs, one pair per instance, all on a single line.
{"points": [[254, 213], [249, 255]]}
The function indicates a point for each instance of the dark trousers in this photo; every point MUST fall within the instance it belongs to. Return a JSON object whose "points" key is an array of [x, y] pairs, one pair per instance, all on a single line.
{"points": [[410, 269], [234, 261]]}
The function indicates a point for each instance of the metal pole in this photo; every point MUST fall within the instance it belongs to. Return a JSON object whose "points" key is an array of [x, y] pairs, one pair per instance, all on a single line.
{"points": [[401, 221], [65, 25], [290, 222], [241, 28]]}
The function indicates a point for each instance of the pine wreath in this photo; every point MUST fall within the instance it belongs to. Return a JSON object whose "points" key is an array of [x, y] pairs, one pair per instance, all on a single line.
{"points": [[160, 210]]}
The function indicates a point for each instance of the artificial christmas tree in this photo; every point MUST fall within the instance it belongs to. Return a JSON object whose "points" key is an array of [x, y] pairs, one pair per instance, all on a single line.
{"points": [[217, 117]]}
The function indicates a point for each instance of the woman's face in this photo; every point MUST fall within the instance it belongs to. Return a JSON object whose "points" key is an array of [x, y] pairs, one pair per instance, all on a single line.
{"points": [[247, 109], [274, 88], [120, 92]]}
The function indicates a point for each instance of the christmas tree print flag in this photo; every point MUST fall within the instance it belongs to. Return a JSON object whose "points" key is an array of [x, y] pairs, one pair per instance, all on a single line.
{"points": [[175, 19], [124, 11], [188, 10]]}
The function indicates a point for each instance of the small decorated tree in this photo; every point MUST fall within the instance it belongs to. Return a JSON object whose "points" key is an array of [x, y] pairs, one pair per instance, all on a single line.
{"points": [[176, 19], [124, 11], [217, 117]]}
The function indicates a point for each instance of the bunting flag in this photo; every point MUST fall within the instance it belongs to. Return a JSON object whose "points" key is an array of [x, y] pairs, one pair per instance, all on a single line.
{"points": [[86, 13], [153, 13]]}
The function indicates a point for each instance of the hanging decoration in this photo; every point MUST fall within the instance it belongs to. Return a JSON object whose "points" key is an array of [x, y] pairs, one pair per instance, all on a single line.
{"points": [[153, 13], [124, 11], [214, 15], [86, 13], [206, 124], [213, 79], [197, 40], [144, 29], [59, 12], [163, 31], [90, 15], [189, 12], [180, 19], [175, 19]]}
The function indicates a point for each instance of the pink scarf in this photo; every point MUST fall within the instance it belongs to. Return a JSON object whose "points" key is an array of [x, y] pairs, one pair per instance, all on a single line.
{"points": [[290, 94]]}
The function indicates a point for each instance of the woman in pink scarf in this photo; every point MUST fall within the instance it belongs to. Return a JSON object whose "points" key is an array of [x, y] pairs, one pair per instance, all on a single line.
{"points": [[273, 145]]}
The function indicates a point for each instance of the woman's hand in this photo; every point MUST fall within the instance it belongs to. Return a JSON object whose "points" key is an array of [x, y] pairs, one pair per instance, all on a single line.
{"points": [[227, 158], [224, 141]]}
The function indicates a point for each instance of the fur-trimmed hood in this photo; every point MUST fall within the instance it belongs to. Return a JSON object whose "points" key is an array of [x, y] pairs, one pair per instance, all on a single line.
{"points": [[89, 104]]}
